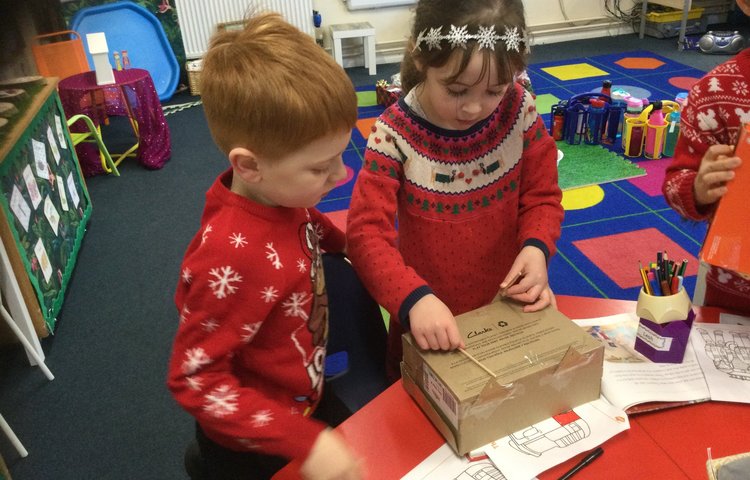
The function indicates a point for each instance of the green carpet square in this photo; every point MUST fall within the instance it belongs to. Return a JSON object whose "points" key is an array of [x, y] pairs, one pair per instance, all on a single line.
{"points": [[584, 165], [367, 98]]}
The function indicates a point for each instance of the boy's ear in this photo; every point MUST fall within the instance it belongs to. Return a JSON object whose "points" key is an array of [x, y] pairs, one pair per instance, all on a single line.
{"points": [[245, 164]]}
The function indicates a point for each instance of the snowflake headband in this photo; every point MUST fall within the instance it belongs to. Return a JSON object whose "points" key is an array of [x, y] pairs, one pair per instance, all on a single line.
{"points": [[486, 37]]}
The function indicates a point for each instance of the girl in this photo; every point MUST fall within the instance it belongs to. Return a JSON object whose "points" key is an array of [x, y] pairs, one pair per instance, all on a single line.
{"points": [[704, 163], [466, 167]]}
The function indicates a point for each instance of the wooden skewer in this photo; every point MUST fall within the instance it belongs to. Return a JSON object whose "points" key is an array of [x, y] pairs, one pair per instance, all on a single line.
{"points": [[479, 364], [512, 282]]}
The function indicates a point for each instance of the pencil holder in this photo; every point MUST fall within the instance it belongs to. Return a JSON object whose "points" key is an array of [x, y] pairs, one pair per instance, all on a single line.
{"points": [[664, 328]]}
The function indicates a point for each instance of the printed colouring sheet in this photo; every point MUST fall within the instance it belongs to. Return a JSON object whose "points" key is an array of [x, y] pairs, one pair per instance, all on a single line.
{"points": [[723, 351], [528, 452]]}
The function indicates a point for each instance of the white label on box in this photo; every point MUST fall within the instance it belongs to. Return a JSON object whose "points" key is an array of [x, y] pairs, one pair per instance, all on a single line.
{"points": [[439, 394], [656, 341]]}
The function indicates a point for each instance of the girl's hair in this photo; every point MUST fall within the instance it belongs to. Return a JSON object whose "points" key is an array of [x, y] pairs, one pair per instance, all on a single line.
{"points": [[502, 14], [270, 88]]}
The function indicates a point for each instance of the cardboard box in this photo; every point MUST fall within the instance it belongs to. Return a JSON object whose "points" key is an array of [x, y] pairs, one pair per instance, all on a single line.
{"points": [[544, 365]]}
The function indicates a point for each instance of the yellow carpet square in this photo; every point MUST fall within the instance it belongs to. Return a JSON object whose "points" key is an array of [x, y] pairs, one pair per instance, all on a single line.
{"points": [[575, 71]]}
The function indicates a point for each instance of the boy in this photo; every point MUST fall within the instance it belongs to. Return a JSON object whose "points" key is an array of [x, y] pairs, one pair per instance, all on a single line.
{"points": [[248, 356], [704, 163]]}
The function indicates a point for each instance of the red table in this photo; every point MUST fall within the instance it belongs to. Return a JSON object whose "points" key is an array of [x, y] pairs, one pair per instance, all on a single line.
{"points": [[393, 436], [133, 95]]}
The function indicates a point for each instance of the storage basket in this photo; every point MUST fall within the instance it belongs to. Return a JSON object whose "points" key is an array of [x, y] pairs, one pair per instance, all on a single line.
{"points": [[194, 69]]}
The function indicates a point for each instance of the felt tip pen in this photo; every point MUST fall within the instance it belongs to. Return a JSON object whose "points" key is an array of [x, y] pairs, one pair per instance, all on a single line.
{"points": [[596, 453]]}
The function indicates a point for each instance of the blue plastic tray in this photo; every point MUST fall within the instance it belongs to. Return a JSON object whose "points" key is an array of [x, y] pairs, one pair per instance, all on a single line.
{"points": [[131, 27]]}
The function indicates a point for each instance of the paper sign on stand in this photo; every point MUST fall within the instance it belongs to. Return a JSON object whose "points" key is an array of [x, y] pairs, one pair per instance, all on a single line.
{"points": [[99, 51]]}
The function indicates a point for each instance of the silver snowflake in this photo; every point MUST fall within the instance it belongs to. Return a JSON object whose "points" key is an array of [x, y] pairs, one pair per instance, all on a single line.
{"points": [[195, 358], [237, 240], [486, 37], [433, 38], [195, 382], [273, 256], [222, 401], [511, 38], [210, 325], [294, 305], [269, 294], [184, 313], [223, 285], [458, 36], [301, 265], [187, 275], [207, 230], [249, 329], [261, 418]]}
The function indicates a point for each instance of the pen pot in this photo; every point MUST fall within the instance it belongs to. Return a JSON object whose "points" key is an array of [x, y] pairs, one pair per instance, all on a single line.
{"points": [[632, 138], [664, 327]]}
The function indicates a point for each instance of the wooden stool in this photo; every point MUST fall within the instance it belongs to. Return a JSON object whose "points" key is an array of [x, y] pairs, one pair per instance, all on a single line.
{"points": [[355, 30]]}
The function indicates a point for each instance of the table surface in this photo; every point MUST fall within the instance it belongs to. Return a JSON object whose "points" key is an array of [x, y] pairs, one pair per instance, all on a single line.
{"points": [[87, 80], [393, 436]]}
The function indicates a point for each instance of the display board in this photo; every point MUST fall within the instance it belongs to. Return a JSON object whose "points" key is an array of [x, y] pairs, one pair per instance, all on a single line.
{"points": [[44, 203]]}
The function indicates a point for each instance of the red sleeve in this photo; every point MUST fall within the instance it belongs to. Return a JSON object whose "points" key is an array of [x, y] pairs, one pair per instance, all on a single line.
{"points": [[540, 212], [371, 228], [681, 172]]}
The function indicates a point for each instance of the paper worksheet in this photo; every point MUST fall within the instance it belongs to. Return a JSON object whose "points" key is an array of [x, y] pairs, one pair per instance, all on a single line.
{"points": [[528, 452], [723, 352], [445, 464], [630, 379]]}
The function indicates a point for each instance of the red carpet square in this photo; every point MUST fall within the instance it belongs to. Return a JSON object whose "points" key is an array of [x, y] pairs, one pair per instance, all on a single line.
{"points": [[650, 183], [618, 255]]}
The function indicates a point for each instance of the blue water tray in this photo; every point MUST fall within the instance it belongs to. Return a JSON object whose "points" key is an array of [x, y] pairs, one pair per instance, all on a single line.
{"points": [[130, 27]]}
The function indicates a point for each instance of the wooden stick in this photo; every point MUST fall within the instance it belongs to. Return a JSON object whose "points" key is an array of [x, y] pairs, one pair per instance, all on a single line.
{"points": [[479, 364], [512, 282]]}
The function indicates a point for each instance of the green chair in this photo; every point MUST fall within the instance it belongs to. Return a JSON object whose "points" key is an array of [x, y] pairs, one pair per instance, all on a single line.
{"points": [[94, 135]]}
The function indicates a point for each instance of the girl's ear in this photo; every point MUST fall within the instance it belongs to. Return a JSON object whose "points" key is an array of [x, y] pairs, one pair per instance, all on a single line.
{"points": [[245, 164]]}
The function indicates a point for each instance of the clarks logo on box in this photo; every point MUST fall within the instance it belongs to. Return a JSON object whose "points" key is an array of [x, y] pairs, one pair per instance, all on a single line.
{"points": [[476, 333]]}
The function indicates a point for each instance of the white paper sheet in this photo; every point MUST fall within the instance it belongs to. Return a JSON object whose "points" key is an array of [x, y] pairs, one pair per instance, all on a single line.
{"points": [[723, 352], [444, 464], [528, 452], [629, 378]]}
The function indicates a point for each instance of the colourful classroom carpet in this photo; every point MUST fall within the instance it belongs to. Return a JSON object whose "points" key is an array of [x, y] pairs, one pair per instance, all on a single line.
{"points": [[609, 225]]}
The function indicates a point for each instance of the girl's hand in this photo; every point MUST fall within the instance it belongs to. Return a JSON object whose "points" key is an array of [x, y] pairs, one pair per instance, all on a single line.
{"points": [[532, 288], [716, 169], [433, 325]]}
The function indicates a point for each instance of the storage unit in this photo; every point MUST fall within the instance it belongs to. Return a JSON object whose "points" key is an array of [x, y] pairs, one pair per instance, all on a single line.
{"points": [[665, 22]]}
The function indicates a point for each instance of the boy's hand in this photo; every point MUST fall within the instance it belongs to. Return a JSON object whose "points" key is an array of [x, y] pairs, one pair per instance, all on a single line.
{"points": [[331, 459], [433, 325], [716, 168], [532, 288]]}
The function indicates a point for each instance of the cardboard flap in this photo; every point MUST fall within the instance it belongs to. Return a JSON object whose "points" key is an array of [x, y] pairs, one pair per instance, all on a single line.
{"points": [[494, 392], [571, 360]]}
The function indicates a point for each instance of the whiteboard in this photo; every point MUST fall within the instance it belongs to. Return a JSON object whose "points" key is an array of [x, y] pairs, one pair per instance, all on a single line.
{"points": [[362, 4]]}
